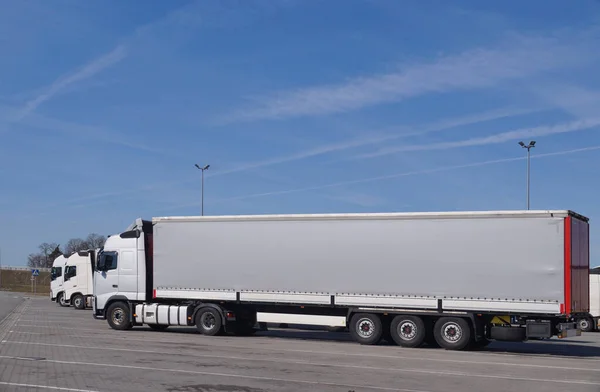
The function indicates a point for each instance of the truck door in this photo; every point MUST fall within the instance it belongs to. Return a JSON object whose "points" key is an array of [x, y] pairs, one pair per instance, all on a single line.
{"points": [[106, 278]]}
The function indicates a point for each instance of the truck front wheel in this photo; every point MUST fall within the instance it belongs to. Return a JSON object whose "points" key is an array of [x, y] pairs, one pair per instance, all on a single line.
{"points": [[208, 321], [78, 301], [118, 316], [366, 328], [452, 333]]}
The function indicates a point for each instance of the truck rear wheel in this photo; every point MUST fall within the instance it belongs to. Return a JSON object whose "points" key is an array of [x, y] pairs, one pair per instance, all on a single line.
{"points": [[208, 321], [78, 301], [452, 333], [408, 331], [585, 324], [366, 328], [118, 316]]}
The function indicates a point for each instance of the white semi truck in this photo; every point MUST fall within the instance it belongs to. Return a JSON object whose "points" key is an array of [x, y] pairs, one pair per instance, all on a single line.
{"points": [[458, 279], [57, 280], [78, 276], [591, 322]]}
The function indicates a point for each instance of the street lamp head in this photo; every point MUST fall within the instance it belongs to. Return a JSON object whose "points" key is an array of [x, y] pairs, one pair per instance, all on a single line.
{"points": [[198, 166], [532, 143], [207, 166], [520, 144]]}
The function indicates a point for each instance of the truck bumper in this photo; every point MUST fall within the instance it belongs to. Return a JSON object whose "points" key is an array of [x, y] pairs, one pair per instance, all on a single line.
{"points": [[98, 314], [568, 330]]}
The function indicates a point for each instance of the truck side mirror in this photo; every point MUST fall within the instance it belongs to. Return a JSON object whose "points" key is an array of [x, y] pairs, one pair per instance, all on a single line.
{"points": [[101, 266]]}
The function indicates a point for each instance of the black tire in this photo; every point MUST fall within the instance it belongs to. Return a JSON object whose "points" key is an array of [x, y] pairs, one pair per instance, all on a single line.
{"points": [[158, 327], [585, 324], [78, 301], [118, 316], [366, 328], [209, 322], [452, 333], [60, 300], [408, 331]]}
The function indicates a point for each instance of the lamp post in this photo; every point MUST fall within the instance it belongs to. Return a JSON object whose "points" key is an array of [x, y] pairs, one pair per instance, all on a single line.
{"points": [[202, 169], [528, 147]]}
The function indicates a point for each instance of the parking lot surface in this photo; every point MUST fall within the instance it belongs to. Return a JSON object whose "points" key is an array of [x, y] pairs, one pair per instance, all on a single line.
{"points": [[46, 347]]}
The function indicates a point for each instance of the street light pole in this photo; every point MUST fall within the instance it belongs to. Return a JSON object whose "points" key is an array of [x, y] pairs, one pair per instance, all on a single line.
{"points": [[528, 147], [202, 169]]}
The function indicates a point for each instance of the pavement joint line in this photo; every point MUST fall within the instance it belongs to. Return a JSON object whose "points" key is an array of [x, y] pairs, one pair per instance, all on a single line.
{"points": [[483, 355], [12, 318], [328, 364], [15, 384], [238, 376]]}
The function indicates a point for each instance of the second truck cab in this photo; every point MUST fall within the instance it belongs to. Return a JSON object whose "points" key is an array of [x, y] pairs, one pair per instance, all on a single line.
{"points": [[78, 276], [57, 280]]}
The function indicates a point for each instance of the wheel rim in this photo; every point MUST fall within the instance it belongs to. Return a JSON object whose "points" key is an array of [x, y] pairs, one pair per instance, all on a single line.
{"points": [[62, 300], [208, 321], [407, 330], [583, 324], [452, 332], [365, 328], [78, 302], [118, 316]]}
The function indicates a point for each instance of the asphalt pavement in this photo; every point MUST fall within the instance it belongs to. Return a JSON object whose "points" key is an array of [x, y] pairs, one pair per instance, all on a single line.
{"points": [[47, 348], [8, 301]]}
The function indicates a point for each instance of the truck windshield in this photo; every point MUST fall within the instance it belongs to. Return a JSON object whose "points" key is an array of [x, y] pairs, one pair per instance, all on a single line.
{"points": [[55, 272]]}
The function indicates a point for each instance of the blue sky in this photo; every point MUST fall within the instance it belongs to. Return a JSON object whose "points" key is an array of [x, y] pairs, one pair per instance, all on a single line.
{"points": [[298, 106]]}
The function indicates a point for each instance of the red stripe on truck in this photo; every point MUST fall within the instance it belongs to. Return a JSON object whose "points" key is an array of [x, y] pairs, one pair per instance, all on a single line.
{"points": [[568, 265], [154, 293]]}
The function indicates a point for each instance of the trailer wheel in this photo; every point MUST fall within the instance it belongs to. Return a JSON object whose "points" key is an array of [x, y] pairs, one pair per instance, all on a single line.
{"points": [[452, 333], [208, 321], [78, 301], [366, 328], [585, 324], [408, 331], [118, 316]]}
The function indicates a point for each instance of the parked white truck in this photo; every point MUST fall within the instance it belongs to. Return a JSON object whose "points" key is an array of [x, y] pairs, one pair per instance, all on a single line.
{"points": [[592, 321], [57, 280], [458, 279], [79, 274]]}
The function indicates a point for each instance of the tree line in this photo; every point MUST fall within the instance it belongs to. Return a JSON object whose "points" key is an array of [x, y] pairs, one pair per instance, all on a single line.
{"points": [[48, 252]]}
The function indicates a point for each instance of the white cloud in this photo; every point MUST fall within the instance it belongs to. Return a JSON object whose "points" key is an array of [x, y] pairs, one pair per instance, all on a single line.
{"points": [[89, 70], [407, 174], [517, 58], [524, 133], [437, 126]]}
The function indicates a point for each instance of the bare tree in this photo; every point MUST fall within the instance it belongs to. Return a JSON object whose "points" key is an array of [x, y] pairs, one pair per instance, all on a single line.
{"points": [[45, 257], [75, 245], [36, 260], [95, 240]]}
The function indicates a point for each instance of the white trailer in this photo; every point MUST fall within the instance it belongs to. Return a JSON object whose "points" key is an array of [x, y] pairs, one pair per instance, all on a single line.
{"points": [[591, 322], [79, 274], [452, 278], [57, 280]]}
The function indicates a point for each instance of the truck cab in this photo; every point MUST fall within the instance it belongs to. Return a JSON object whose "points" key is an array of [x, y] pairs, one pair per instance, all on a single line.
{"points": [[78, 278], [120, 273], [57, 280]]}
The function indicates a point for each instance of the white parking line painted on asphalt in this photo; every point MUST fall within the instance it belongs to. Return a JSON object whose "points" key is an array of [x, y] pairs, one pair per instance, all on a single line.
{"points": [[333, 353], [343, 366], [229, 375], [15, 384]]}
